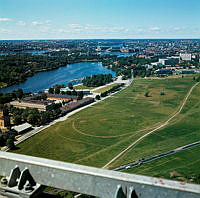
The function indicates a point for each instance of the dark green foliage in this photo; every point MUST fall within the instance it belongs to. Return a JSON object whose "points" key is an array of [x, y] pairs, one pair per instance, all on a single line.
{"points": [[198, 79], [5, 98], [70, 85], [162, 93], [10, 143], [146, 94], [80, 94], [57, 90], [16, 68], [97, 80], [19, 93], [17, 119], [51, 90], [196, 179], [113, 89], [97, 97]]}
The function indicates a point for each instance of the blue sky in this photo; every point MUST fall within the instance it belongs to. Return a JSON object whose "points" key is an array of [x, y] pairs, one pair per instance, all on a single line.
{"points": [[75, 19]]}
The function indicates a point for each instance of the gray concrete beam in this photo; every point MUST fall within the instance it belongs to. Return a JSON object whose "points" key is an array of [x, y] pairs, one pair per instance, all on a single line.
{"points": [[95, 181]]}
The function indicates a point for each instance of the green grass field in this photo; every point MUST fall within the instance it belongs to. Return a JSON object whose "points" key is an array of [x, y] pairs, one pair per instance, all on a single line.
{"points": [[81, 86], [184, 129], [97, 134], [106, 88], [183, 166]]}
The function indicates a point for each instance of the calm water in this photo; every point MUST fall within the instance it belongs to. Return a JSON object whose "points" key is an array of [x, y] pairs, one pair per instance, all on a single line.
{"points": [[28, 52], [63, 75], [118, 54]]}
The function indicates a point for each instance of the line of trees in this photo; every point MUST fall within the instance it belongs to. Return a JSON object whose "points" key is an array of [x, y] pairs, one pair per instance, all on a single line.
{"points": [[33, 116], [97, 80], [111, 90]]}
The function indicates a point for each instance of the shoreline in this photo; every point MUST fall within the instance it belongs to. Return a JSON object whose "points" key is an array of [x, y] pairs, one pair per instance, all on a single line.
{"points": [[50, 69]]}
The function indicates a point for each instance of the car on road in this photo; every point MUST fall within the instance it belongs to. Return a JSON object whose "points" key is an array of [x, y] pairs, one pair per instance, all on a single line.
{"points": [[127, 167]]}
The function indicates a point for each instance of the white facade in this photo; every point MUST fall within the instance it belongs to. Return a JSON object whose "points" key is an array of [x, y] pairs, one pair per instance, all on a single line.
{"points": [[186, 57]]}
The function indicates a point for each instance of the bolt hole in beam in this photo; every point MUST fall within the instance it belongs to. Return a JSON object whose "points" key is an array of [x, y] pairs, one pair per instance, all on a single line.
{"points": [[126, 193], [93, 181]]}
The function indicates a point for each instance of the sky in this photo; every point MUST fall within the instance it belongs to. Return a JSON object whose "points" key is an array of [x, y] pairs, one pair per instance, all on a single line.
{"points": [[99, 19]]}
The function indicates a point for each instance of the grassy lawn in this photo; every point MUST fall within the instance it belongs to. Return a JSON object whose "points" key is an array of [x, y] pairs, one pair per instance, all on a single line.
{"points": [[81, 86], [183, 166], [97, 134], [106, 88], [184, 129]]}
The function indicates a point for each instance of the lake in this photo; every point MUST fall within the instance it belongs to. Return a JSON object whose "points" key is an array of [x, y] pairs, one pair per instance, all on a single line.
{"points": [[62, 75], [118, 54]]}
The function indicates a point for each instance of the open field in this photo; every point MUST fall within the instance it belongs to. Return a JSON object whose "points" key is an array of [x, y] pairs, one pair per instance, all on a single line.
{"points": [[182, 166], [97, 134], [106, 88], [183, 129], [81, 86]]}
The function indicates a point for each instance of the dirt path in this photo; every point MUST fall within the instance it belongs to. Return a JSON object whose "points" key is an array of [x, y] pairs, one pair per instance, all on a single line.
{"points": [[152, 131]]}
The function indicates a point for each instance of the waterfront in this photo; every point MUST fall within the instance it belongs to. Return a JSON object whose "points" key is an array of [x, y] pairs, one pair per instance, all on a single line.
{"points": [[62, 75]]}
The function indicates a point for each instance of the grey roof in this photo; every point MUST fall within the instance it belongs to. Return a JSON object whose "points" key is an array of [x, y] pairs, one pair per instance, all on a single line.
{"points": [[22, 127]]}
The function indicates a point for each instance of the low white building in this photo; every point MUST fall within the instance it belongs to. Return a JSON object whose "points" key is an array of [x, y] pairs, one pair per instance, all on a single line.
{"points": [[22, 128], [186, 57]]}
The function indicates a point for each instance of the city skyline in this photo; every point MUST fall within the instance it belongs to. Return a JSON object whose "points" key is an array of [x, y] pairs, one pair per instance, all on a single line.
{"points": [[93, 19]]}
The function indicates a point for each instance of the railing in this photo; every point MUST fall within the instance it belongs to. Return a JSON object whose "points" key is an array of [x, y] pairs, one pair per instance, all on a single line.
{"points": [[32, 172]]}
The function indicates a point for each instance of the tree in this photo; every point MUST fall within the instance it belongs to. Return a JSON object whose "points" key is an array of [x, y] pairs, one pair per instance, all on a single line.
{"points": [[146, 94], [19, 93], [2, 140], [10, 143], [33, 118], [57, 90], [162, 93], [51, 90], [17, 119], [97, 97], [70, 85], [80, 94]]}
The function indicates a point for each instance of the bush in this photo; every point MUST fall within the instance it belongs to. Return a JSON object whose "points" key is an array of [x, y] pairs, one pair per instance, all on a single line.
{"points": [[146, 94], [10, 143], [162, 93], [98, 97]]}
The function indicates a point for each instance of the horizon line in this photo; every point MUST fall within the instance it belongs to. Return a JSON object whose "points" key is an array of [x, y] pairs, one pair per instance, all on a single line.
{"points": [[40, 39]]}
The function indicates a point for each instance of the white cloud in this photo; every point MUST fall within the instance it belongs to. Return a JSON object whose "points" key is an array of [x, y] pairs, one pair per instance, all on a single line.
{"points": [[21, 23], [4, 19], [154, 29], [36, 23], [74, 25], [95, 29], [39, 23], [2, 30]]}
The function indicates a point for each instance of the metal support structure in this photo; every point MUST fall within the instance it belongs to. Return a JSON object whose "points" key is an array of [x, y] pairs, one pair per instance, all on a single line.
{"points": [[91, 181], [19, 184]]}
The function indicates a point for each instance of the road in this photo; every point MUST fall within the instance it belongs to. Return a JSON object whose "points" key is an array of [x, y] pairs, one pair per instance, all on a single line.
{"points": [[139, 162]]}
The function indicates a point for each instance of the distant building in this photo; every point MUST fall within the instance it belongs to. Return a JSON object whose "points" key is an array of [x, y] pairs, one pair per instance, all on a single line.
{"points": [[62, 97], [169, 61], [40, 105], [4, 118], [185, 57], [72, 106], [84, 91], [163, 72]]}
